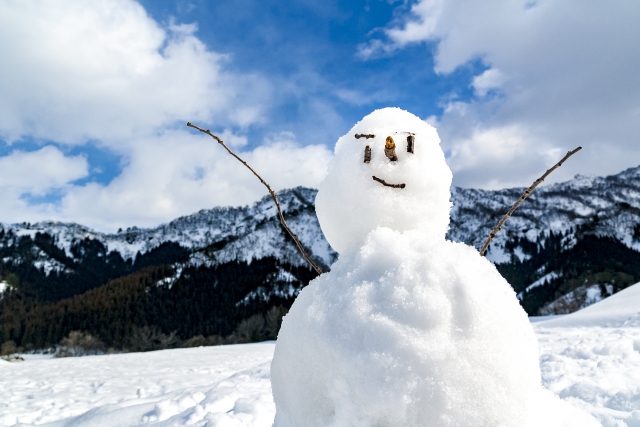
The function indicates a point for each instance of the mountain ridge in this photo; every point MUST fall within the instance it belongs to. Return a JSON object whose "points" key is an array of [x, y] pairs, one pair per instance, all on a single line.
{"points": [[569, 244]]}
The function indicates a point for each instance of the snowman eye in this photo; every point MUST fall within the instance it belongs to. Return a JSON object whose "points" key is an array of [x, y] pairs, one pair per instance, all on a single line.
{"points": [[410, 141], [367, 154]]}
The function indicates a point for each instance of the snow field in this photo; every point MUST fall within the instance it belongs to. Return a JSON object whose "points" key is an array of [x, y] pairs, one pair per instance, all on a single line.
{"points": [[207, 386], [594, 368]]}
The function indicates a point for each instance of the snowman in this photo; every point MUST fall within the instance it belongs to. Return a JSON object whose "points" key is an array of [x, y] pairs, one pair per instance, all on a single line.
{"points": [[408, 329]]}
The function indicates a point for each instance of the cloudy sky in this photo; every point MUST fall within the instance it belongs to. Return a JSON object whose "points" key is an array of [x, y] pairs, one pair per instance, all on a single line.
{"points": [[94, 96]]}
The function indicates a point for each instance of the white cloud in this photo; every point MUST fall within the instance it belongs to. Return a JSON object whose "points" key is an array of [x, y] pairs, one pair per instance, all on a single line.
{"points": [[474, 158], [75, 70], [38, 172], [566, 72], [179, 172], [489, 80], [24, 175]]}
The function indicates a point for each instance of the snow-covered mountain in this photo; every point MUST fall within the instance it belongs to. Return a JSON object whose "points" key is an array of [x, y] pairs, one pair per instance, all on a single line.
{"points": [[552, 221], [212, 236], [611, 205]]}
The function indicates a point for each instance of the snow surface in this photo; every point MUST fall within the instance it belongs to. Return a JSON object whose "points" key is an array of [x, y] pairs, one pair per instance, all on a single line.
{"points": [[206, 386], [618, 310], [596, 368]]}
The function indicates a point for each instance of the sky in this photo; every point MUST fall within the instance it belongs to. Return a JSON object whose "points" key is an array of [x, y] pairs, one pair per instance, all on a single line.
{"points": [[94, 96]]}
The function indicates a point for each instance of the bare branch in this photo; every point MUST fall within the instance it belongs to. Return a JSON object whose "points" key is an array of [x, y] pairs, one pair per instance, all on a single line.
{"points": [[522, 198], [386, 184], [271, 192]]}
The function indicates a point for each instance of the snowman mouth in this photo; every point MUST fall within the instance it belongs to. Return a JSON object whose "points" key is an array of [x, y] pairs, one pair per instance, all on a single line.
{"points": [[386, 184]]}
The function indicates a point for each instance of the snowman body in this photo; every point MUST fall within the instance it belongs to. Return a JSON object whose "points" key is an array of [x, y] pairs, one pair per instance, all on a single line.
{"points": [[407, 329]]}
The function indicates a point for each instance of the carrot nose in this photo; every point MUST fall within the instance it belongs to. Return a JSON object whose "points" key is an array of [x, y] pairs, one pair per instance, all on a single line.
{"points": [[390, 149]]}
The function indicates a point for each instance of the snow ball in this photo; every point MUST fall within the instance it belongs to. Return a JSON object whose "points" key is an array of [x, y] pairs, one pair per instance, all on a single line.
{"points": [[350, 203], [406, 331]]}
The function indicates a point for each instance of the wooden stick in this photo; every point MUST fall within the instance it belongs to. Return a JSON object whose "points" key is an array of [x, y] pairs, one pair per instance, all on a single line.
{"points": [[383, 182], [522, 198], [367, 154], [273, 196]]}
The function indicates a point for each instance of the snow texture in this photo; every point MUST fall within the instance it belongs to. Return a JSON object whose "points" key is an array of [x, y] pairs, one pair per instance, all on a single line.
{"points": [[211, 386], [408, 328]]}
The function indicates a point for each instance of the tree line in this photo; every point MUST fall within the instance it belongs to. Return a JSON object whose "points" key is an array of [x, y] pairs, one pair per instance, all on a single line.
{"points": [[157, 307]]}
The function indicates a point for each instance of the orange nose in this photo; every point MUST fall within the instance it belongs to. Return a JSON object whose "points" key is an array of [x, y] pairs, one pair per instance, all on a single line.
{"points": [[390, 149], [389, 144]]}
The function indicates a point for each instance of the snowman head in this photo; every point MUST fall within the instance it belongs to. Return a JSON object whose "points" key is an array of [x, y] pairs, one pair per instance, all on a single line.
{"points": [[390, 171]]}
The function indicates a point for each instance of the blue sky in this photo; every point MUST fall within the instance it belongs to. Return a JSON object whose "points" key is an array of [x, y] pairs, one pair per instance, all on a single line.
{"points": [[94, 95], [313, 47]]}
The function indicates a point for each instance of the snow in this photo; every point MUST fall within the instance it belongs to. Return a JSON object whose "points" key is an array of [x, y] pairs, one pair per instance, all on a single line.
{"points": [[591, 362], [225, 386], [541, 281], [497, 255], [518, 252], [350, 204], [579, 298], [618, 310], [373, 341], [595, 368]]}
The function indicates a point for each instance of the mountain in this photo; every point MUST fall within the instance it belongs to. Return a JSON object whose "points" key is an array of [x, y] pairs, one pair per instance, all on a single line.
{"points": [[57, 260], [568, 245]]}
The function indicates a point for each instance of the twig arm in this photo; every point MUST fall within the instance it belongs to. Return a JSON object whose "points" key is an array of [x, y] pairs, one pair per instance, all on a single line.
{"points": [[271, 192], [522, 198]]}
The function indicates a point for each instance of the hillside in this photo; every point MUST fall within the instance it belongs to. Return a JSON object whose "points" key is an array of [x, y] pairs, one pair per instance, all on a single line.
{"points": [[569, 245]]}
